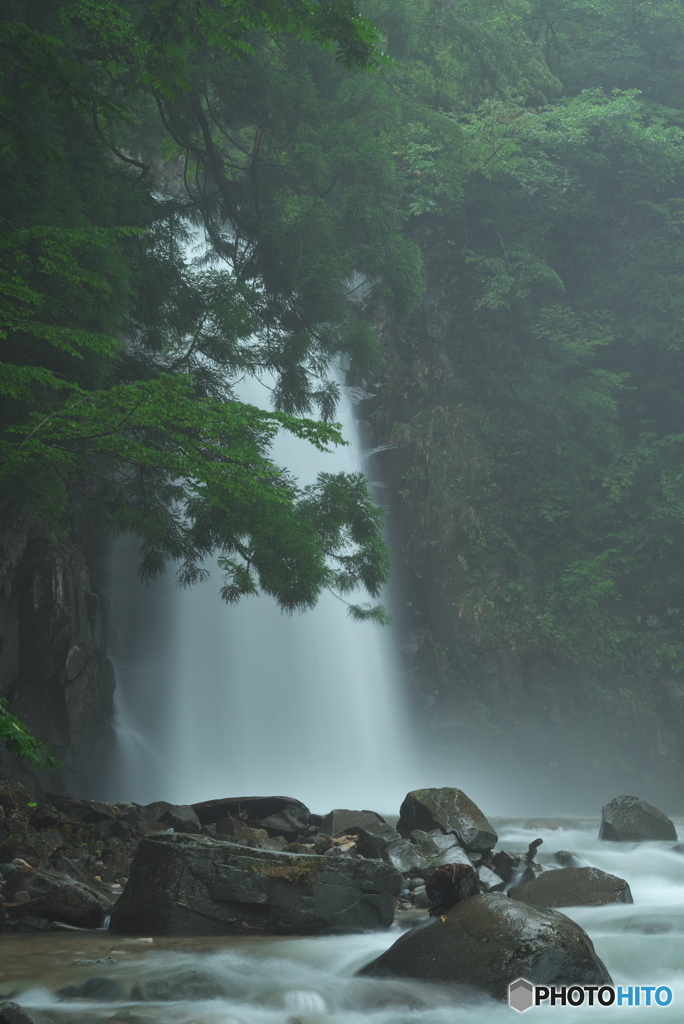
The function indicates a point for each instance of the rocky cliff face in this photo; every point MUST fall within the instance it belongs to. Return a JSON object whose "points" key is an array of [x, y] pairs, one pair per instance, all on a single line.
{"points": [[54, 669]]}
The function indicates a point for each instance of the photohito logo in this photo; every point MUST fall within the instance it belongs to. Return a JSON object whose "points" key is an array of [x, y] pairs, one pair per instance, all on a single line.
{"points": [[522, 995]]}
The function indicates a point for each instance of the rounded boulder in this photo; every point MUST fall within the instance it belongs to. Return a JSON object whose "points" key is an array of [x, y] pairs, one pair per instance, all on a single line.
{"points": [[488, 941]]}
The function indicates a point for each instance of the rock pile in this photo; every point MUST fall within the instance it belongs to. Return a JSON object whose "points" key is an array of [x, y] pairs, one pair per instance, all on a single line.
{"points": [[64, 861]]}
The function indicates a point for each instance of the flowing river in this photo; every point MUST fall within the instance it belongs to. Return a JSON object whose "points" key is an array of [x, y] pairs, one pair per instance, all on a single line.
{"points": [[311, 980]]}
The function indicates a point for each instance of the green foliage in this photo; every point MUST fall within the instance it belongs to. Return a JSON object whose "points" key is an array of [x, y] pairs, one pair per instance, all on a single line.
{"points": [[22, 744], [538, 398]]}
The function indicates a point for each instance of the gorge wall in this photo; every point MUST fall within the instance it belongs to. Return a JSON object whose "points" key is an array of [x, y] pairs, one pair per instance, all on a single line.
{"points": [[54, 669]]}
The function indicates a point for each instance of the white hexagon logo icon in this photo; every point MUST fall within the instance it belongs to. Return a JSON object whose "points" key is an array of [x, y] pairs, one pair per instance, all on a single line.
{"points": [[521, 994]]}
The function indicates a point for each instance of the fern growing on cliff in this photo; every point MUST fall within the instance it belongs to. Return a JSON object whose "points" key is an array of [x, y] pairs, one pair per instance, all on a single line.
{"points": [[20, 742]]}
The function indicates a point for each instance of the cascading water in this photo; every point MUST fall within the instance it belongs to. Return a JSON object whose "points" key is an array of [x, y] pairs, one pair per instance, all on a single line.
{"points": [[215, 700]]}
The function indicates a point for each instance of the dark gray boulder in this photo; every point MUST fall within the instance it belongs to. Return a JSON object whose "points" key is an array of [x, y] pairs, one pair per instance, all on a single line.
{"points": [[374, 838], [56, 897], [100, 990], [450, 811], [13, 1013], [566, 859], [235, 832], [162, 815], [341, 821], [198, 885], [184, 985], [488, 941], [573, 887], [279, 815], [449, 884], [438, 848], [629, 819], [489, 880], [404, 856]]}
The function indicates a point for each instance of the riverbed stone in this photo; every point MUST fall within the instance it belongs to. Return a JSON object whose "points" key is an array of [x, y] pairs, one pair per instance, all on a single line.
{"points": [[197, 885], [191, 984], [99, 989], [488, 941], [13, 1013], [374, 838], [450, 811], [439, 849], [573, 887], [489, 880], [343, 820], [279, 815], [404, 856], [258, 838], [629, 819], [566, 859], [56, 897]]}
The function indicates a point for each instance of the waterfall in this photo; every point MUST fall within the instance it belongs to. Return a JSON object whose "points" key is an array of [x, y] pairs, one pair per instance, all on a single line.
{"points": [[215, 700]]}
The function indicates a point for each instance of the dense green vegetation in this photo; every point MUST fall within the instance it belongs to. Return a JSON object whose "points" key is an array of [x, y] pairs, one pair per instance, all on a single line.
{"points": [[121, 352], [545, 382], [478, 204]]}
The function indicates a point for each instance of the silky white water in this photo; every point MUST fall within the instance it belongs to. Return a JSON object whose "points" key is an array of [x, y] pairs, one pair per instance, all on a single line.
{"points": [[214, 700], [311, 980]]}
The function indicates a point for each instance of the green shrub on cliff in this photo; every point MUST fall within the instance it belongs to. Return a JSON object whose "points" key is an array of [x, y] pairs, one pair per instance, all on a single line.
{"points": [[19, 741]]}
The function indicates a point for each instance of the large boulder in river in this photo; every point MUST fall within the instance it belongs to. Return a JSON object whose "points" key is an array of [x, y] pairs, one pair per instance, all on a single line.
{"points": [[629, 819], [197, 885], [573, 887], [488, 941], [450, 811]]}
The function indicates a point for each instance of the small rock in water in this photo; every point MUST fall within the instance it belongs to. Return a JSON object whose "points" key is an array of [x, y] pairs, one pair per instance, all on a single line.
{"points": [[569, 860], [100, 990], [87, 962], [184, 985], [573, 887], [421, 900]]}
